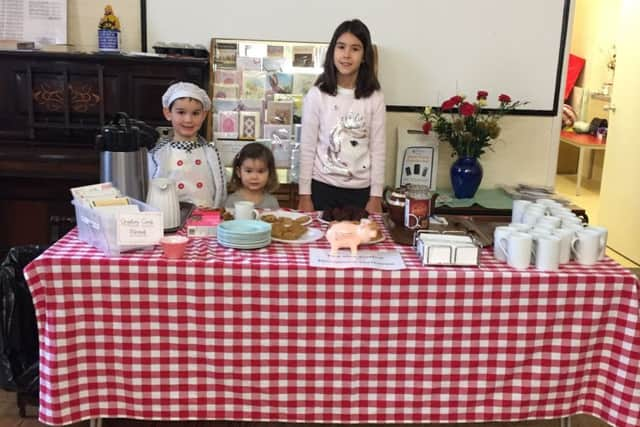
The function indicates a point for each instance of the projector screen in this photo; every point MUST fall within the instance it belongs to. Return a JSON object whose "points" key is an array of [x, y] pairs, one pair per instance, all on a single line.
{"points": [[428, 50]]}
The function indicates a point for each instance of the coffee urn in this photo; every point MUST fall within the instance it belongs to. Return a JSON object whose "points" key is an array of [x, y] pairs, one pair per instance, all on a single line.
{"points": [[123, 145]]}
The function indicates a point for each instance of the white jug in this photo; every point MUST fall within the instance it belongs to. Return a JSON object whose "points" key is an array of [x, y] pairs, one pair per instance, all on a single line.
{"points": [[163, 195]]}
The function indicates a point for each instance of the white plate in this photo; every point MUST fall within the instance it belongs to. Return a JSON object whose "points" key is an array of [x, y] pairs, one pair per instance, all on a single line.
{"points": [[287, 214], [311, 235], [322, 221]]}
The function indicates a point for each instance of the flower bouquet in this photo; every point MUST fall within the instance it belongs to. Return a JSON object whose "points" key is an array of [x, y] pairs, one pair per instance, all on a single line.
{"points": [[470, 131]]}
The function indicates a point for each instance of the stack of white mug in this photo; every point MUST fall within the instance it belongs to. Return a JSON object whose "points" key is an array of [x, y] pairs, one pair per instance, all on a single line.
{"points": [[546, 234]]}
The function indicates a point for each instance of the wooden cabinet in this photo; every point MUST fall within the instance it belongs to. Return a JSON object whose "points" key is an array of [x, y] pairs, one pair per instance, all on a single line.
{"points": [[52, 105]]}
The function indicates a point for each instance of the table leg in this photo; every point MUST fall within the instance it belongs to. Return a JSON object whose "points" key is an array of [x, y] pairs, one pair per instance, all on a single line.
{"points": [[579, 177], [565, 422], [95, 422], [591, 158]]}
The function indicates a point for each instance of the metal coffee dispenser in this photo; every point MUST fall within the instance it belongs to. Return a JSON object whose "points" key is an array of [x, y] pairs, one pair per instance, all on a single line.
{"points": [[123, 145]]}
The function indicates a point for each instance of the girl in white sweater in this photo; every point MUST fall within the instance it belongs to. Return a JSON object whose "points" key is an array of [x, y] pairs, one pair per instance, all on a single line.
{"points": [[342, 153]]}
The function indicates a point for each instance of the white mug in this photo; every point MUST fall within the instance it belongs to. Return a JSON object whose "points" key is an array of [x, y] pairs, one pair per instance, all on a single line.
{"points": [[518, 208], [500, 234], [550, 220], [566, 236], [603, 238], [586, 246], [518, 250], [244, 210], [518, 226], [570, 219], [532, 216], [546, 250]]}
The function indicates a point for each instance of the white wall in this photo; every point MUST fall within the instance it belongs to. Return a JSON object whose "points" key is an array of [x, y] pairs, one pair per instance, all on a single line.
{"points": [[594, 34], [526, 152]]}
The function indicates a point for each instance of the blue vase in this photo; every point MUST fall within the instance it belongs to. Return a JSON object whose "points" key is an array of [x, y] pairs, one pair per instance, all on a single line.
{"points": [[466, 174]]}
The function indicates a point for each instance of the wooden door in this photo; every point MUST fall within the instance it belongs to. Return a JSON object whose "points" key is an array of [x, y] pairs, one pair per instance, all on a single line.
{"points": [[620, 189]]}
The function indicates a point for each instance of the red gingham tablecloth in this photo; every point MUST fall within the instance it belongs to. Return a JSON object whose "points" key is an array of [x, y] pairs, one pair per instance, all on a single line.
{"points": [[259, 335]]}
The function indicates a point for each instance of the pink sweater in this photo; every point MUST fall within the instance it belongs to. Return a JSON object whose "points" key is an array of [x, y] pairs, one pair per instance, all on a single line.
{"points": [[343, 140]]}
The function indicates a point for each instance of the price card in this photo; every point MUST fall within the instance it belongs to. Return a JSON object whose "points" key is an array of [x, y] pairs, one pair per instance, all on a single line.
{"points": [[143, 229]]}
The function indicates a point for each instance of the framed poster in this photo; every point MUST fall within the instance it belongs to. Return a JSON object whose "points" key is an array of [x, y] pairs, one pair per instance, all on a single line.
{"points": [[417, 159]]}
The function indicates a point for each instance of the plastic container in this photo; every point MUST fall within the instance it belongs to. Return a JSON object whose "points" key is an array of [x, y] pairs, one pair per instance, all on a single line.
{"points": [[98, 228]]}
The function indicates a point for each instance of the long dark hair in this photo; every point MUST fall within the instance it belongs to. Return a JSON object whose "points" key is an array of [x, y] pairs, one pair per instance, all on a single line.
{"points": [[255, 151], [367, 81]]}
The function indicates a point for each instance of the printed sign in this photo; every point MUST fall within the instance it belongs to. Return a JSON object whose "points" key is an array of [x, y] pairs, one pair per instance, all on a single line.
{"points": [[144, 228]]}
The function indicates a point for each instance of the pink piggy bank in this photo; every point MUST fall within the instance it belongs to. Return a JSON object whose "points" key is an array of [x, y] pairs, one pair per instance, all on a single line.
{"points": [[346, 234]]}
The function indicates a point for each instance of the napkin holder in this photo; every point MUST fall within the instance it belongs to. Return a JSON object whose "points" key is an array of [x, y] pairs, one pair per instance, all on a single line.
{"points": [[446, 248]]}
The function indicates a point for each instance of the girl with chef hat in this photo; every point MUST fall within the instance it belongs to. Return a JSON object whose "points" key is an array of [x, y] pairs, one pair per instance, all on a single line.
{"points": [[186, 157]]}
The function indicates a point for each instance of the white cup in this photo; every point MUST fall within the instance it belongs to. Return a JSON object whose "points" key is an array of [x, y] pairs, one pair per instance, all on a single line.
{"points": [[603, 238], [543, 227], [567, 219], [532, 216], [546, 251], [500, 234], [244, 210], [518, 250], [560, 210], [552, 221], [518, 226], [573, 227], [518, 208], [566, 236], [548, 203], [586, 246]]}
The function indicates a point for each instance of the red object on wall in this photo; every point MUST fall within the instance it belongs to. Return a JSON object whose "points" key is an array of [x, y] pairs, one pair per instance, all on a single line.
{"points": [[576, 64]]}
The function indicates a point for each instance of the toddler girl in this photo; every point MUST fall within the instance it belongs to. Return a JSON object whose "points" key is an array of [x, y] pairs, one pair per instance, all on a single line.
{"points": [[254, 177], [186, 157]]}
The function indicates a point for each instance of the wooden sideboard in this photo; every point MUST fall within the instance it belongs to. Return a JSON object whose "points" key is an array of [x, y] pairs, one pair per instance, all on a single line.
{"points": [[52, 105]]}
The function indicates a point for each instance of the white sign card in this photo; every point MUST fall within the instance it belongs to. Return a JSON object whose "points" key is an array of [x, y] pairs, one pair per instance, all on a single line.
{"points": [[380, 260], [144, 228]]}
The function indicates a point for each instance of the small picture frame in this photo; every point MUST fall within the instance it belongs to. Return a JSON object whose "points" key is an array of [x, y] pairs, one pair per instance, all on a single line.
{"points": [[249, 125], [226, 54], [303, 56]]}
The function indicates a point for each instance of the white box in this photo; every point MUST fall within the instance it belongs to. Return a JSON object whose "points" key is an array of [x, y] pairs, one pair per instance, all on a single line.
{"points": [[99, 228]]}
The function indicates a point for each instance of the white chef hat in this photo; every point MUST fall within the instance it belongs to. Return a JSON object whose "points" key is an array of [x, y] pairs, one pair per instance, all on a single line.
{"points": [[186, 90]]}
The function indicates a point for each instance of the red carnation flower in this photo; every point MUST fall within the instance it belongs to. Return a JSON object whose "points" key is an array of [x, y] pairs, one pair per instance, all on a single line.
{"points": [[447, 105], [505, 99], [456, 99], [467, 109], [482, 94], [426, 128]]}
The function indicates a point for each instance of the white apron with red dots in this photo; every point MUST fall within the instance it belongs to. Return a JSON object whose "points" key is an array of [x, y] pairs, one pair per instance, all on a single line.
{"points": [[194, 166]]}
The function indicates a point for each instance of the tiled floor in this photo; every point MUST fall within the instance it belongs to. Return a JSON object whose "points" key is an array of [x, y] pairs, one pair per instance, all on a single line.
{"points": [[565, 185]]}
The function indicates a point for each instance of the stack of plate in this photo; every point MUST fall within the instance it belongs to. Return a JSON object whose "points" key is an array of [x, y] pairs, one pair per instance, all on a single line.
{"points": [[244, 234]]}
